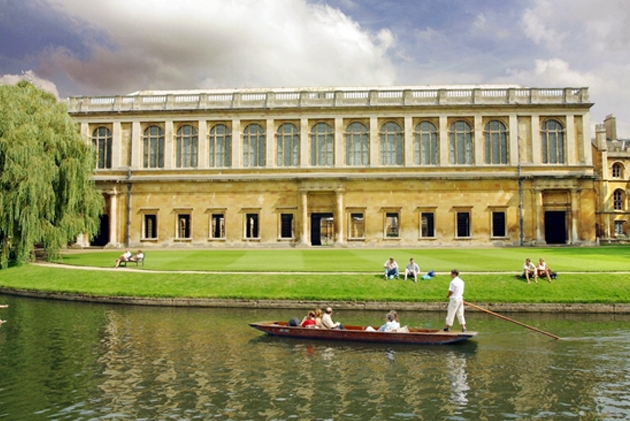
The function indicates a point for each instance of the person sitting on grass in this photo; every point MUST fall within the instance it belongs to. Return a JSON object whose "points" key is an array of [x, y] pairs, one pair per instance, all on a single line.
{"points": [[412, 269], [529, 270], [123, 257], [543, 270], [391, 269]]}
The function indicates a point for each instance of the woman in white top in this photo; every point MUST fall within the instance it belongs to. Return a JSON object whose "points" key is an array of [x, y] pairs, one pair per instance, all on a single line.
{"points": [[543, 270]]}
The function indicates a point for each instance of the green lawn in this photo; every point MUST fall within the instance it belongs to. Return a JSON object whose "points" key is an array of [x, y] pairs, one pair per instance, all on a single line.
{"points": [[327, 286], [608, 259]]}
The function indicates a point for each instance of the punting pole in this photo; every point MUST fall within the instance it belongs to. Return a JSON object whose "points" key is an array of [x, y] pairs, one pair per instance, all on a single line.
{"points": [[512, 320]]}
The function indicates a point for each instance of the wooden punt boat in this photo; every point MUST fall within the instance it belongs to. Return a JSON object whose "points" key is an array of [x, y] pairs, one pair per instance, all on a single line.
{"points": [[359, 334]]}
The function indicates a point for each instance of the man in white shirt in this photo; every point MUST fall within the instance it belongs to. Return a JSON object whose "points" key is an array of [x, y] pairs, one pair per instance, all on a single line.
{"points": [[412, 269], [455, 302], [391, 269], [327, 320]]}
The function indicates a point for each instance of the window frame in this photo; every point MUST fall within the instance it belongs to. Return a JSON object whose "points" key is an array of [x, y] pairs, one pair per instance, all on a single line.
{"points": [[461, 143], [211, 223], [553, 142], [428, 211], [153, 145], [619, 200], [617, 170], [102, 143], [187, 147], [254, 146], [186, 215], [220, 146], [357, 145], [426, 136], [351, 213], [496, 143], [322, 145], [147, 215], [288, 145], [458, 214], [495, 212], [247, 226], [391, 145], [395, 226]]}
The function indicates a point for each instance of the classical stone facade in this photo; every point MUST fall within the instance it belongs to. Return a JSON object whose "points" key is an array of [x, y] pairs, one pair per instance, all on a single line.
{"points": [[382, 167], [612, 166]]}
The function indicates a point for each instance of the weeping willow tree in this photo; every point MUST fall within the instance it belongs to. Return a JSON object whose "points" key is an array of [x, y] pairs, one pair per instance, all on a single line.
{"points": [[47, 194]]}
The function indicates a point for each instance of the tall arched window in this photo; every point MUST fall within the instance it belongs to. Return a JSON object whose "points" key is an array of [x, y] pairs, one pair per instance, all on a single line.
{"points": [[552, 138], [357, 145], [254, 146], [220, 146], [187, 147], [461, 143], [496, 143], [102, 141], [322, 145], [617, 170], [288, 142], [426, 144], [153, 147], [391, 144], [618, 197]]}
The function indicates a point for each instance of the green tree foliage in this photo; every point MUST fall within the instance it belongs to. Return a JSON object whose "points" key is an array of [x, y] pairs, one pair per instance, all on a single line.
{"points": [[47, 193]]}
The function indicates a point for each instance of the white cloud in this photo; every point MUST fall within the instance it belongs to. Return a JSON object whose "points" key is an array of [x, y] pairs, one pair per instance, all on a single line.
{"points": [[217, 43], [29, 75]]}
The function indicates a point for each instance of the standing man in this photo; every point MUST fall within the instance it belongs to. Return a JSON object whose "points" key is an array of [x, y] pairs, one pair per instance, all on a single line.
{"points": [[391, 268], [412, 269], [455, 302]]}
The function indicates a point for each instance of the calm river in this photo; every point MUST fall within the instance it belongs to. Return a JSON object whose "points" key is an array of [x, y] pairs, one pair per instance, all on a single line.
{"points": [[74, 361]]}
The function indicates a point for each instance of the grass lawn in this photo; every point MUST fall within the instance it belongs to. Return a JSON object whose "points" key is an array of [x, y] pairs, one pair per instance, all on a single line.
{"points": [[327, 286], [597, 259]]}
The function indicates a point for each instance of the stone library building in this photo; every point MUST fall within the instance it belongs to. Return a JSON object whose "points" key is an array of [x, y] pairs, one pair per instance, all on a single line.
{"points": [[412, 166]]}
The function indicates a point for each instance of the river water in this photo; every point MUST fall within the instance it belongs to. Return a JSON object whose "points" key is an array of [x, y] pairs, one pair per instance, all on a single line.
{"points": [[76, 361]]}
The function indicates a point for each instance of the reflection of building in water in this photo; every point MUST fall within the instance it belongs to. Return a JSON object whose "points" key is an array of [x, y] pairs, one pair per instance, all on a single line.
{"points": [[456, 365]]}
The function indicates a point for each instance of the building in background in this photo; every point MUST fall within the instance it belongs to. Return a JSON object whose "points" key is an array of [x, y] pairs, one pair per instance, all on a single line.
{"points": [[353, 167], [612, 165]]}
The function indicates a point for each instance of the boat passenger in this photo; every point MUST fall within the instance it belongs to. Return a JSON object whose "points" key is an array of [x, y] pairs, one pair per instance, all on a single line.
{"points": [[309, 320], [390, 324], [318, 318], [328, 322]]}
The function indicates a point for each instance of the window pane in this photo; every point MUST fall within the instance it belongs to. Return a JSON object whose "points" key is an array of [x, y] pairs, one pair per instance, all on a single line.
{"points": [[463, 224], [392, 227], [428, 227], [357, 226], [498, 224]]}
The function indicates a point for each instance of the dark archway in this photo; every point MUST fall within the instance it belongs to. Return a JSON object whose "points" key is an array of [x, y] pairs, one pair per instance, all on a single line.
{"points": [[556, 227], [316, 227], [102, 238]]}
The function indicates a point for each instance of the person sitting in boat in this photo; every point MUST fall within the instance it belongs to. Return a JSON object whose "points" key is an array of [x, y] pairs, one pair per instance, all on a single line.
{"points": [[327, 321], [318, 318], [390, 324], [309, 320], [123, 257]]}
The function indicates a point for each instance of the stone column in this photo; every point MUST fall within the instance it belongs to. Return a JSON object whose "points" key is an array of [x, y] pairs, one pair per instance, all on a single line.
{"points": [[571, 141], [340, 217], [408, 158], [374, 142], [169, 145], [575, 216], [536, 145], [113, 220], [304, 241], [202, 149], [443, 141], [513, 141], [304, 142], [270, 136], [237, 142], [340, 156], [136, 145], [478, 142], [540, 217], [116, 145]]}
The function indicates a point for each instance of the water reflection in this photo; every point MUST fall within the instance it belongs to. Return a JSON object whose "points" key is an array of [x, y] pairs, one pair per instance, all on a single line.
{"points": [[71, 361]]}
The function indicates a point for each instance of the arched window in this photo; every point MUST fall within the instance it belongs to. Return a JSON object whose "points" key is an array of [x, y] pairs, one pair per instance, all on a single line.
{"points": [[426, 144], [322, 145], [461, 143], [496, 143], [254, 146], [187, 146], [153, 147], [618, 199], [102, 141], [357, 145], [220, 146], [552, 137], [391, 144], [288, 138], [617, 170]]}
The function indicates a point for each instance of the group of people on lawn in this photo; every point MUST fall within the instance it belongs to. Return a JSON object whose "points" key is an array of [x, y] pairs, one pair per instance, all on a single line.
{"points": [[392, 271], [536, 271], [128, 257]]}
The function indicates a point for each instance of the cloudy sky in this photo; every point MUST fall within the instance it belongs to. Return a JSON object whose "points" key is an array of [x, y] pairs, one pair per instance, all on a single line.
{"points": [[105, 47]]}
